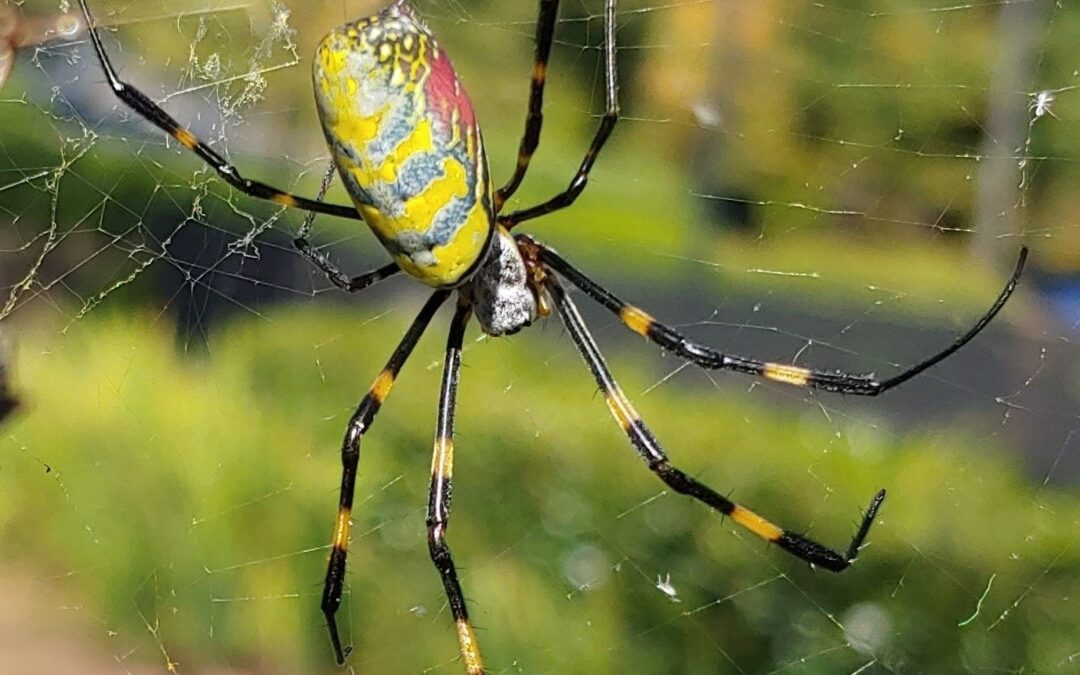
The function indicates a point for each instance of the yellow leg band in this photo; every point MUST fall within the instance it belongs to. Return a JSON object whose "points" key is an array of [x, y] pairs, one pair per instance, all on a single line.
{"points": [[787, 374], [341, 529], [756, 524], [470, 648]]}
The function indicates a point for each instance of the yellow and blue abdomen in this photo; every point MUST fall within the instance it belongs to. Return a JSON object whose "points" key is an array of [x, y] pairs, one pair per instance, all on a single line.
{"points": [[404, 136]]}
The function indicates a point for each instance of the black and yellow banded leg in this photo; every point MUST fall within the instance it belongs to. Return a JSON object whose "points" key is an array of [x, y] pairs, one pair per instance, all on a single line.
{"points": [[359, 424], [323, 262], [438, 514], [152, 112], [650, 450], [534, 119], [643, 324], [607, 124]]}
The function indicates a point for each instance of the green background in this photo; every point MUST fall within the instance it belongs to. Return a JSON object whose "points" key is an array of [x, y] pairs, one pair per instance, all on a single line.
{"points": [[168, 488]]}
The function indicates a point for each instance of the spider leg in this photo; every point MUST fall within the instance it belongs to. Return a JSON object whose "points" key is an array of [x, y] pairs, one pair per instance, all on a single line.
{"points": [[339, 278], [650, 450], [607, 123], [359, 424], [152, 112], [323, 262], [534, 120], [438, 513], [9, 403], [642, 323]]}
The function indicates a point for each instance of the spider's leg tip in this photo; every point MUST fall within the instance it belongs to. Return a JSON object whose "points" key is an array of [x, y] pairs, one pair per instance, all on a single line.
{"points": [[1021, 259], [875, 504], [342, 655]]}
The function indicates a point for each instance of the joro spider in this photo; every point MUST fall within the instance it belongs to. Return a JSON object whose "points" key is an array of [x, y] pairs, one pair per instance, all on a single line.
{"points": [[407, 146]]}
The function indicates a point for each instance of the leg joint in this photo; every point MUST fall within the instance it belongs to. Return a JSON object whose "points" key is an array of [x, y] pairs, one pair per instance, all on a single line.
{"points": [[437, 546]]}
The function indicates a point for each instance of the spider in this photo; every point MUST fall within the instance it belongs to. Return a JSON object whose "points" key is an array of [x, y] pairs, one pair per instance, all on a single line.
{"points": [[404, 137], [9, 402], [1041, 104]]}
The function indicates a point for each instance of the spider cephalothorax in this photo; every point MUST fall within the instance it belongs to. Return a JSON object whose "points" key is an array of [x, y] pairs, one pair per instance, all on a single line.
{"points": [[406, 143]]}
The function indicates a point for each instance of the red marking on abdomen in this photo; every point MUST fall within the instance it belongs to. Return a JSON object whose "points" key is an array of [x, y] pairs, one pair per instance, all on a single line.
{"points": [[445, 94]]}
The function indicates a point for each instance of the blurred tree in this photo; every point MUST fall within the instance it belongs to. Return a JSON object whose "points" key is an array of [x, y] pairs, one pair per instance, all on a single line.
{"points": [[1004, 171]]}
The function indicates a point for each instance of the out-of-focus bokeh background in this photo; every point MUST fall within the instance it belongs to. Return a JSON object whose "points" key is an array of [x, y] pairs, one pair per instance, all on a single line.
{"points": [[843, 184]]}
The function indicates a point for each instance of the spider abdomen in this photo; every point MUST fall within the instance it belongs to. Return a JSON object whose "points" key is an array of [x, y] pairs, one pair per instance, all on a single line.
{"points": [[404, 136]]}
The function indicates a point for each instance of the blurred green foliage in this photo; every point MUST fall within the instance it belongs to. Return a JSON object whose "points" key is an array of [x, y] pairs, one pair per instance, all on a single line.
{"points": [[193, 494], [197, 497]]}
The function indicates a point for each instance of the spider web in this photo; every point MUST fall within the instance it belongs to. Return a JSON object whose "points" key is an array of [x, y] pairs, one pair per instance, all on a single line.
{"points": [[838, 184]]}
